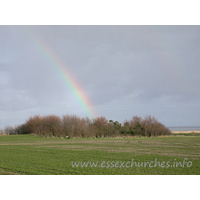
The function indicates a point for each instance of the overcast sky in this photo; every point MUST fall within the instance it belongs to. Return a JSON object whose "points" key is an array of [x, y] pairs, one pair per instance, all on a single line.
{"points": [[123, 70]]}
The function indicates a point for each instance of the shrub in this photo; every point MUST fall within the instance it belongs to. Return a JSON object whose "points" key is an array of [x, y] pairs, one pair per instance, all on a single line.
{"points": [[154, 128], [149, 126], [101, 127], [22, 129], [51, 125], [114, 128], [34, 125], [70, 126], [74, 126], [9, 130]]}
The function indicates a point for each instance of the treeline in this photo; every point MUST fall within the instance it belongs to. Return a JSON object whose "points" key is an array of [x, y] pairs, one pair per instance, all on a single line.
{"points": [[70, 126]]}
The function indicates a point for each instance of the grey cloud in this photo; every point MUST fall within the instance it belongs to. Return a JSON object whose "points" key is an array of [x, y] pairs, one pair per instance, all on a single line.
{"points": [[125, 70]]}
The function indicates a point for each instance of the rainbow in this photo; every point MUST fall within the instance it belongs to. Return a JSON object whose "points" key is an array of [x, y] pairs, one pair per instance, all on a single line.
{"points": [[69, 80]]}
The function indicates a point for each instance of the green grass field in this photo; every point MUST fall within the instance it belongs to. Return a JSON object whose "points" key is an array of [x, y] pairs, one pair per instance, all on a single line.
{"points": [[28, 154]]}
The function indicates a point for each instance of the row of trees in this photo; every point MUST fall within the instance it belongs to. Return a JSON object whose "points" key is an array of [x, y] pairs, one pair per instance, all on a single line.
{"points": [[74, 126]]}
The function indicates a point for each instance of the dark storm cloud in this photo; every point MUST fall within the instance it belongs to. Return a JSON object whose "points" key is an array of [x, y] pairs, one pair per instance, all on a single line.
{"points": [[125, 70]]}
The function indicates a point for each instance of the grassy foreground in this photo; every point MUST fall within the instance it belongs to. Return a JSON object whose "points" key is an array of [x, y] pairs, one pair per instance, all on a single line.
{"points": [[27, 154]]}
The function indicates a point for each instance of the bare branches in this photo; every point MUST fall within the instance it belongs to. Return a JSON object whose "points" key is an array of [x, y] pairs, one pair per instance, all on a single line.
{"points": [[73, 126]]}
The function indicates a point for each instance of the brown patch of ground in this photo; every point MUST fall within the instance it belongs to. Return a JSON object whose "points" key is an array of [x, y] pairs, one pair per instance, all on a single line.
{"points": [[186, 131]]}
